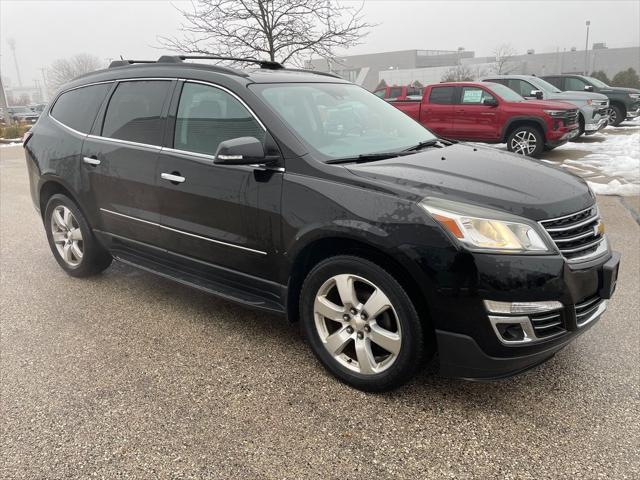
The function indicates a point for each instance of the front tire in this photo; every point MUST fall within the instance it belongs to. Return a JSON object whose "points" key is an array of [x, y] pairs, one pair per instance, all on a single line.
{"points": [[71, 240], [361, 324], [526, 140], [616, 115]]}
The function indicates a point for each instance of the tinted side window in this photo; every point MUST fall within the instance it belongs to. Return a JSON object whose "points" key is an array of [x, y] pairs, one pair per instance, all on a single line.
{"points": [[394, 93], [78, 108], [134, 112], [414, 93], [576, 84], [208, 116], [555, 81], [521, 87], [441, 95]]}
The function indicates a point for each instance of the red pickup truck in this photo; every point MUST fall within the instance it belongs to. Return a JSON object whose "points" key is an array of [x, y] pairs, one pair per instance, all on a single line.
{"points": [[492, 113]]}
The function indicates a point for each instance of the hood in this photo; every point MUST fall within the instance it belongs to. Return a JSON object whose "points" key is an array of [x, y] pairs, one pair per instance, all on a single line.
{"points": [[483, 176], [619, 90], [577, 96]]}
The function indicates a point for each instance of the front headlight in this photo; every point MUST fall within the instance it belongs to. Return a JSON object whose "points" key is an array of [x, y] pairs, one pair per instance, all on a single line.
{"points": [[555, 113], [486, 230]]}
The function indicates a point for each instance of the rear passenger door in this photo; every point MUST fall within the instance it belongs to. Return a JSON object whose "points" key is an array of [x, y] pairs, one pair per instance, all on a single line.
{"points": [[437, 114], [226, 215], [120, 159]]}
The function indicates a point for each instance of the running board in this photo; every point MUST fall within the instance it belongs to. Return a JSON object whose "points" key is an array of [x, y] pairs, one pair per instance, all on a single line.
{"points": [[236, 287]]}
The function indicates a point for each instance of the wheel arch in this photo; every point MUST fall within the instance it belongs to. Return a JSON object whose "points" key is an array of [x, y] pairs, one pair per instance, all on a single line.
{"points": [[322, 248], [50, 186], [516, 122]]}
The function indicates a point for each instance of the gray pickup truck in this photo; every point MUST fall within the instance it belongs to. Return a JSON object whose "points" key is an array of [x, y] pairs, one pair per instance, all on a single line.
{"points": [[594, 107]]}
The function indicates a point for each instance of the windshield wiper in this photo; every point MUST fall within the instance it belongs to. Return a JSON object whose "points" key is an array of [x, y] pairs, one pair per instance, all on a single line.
{"points": [[367, 157], [427, 143]]}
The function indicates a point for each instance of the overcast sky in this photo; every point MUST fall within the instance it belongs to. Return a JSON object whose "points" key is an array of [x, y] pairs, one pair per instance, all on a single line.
{"points": [[51, 29]]}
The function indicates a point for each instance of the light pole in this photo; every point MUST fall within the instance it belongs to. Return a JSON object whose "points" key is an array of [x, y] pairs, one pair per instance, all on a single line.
{"points": [[586, 50]]}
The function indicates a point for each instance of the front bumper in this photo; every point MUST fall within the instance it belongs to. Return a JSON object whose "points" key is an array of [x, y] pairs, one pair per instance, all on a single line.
{"points": [[472, 348], [591, 128], [633, 113]]}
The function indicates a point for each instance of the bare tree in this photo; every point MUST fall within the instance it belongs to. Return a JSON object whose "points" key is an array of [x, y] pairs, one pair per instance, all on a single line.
{"points": [[458, 73], [280, 30], [66, 69], [504, 63]]}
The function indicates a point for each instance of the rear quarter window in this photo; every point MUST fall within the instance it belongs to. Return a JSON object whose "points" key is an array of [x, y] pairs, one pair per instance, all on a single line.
{"points": [[441, 95], [78, 108]]}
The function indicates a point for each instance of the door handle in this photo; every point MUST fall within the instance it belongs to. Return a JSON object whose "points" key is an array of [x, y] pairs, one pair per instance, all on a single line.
{"points": [[173, 177], [91, 161]]}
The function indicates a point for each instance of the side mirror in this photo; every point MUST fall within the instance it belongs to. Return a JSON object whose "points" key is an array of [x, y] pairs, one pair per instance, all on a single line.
{"points": [[490, 102], [588, 88], [240, 151], [538, 94]]}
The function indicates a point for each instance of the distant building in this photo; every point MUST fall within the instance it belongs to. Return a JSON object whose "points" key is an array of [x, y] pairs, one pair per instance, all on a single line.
{"points": [[364, 69], [429, 66]]}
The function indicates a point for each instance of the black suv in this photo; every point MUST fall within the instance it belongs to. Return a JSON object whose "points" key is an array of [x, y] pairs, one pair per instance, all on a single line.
{"points": [[303, 194], [624, 102]]}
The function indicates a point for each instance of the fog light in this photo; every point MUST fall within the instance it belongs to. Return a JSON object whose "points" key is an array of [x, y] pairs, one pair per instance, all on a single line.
{"points": [[519, 308]]}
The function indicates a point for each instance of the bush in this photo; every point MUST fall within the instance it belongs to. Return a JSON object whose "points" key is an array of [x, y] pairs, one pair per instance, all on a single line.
{"points": [[14, 130], [600, 75], [626, 78]]}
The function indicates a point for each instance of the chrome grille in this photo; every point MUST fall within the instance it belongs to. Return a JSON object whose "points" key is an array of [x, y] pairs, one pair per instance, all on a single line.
{"points": [[571, 117], [547, 324], [586, 309], [577, 236]]}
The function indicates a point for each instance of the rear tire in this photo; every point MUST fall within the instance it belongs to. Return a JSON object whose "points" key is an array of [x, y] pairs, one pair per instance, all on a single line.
{"points": [[526, 140], [71, 240], [361, 324]]}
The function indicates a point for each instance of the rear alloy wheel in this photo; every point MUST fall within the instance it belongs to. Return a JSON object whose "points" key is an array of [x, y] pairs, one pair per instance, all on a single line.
{"points": [[526, 141], [616, 116], [72, 242], [361, 324], [67, 235]]}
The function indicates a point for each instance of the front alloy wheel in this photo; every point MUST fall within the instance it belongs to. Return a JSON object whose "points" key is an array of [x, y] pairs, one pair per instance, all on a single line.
{"points": [[362, 325], [357, 324], [523, 143]]}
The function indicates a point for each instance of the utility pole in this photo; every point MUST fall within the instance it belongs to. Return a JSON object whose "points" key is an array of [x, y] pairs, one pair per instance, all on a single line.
{"points": [[45, 94], [12, 46], [586, 50]]}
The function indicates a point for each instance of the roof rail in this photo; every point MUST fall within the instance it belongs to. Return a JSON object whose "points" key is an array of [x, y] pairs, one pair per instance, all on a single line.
{"points": [[267, 64], [121, 63], [313, 72]]}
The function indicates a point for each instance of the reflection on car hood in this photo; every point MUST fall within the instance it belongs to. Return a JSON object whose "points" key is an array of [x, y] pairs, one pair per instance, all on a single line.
{"points": [[619, 90], [568, 96], [483, 176]]}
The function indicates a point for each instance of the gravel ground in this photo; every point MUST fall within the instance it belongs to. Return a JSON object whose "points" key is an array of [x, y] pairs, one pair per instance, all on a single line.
{"points": [[127, 375]]}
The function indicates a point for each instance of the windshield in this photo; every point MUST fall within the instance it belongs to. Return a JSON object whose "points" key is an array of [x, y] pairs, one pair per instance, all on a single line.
{"points": [[597, 82], [20, 110], [546, 86], [506, 93], [342, 120]]}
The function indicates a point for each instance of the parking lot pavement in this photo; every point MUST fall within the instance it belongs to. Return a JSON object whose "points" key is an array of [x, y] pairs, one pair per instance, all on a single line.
{"points": [[127, 375]]}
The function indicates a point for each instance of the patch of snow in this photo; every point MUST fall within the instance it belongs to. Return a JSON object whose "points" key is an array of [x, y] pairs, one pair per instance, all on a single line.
{"points": [[615, 187], [12, 144]]}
